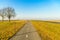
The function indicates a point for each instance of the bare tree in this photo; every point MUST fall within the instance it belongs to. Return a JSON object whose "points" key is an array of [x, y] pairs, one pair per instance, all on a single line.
{"points": [[2, 14], [10, 12]]}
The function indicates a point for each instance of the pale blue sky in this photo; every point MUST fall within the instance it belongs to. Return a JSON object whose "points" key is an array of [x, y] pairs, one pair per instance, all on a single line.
{"points": [[34, 9]]}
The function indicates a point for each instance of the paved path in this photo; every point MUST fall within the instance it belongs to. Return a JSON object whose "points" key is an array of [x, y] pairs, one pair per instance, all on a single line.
{"points": [[28, 32]]}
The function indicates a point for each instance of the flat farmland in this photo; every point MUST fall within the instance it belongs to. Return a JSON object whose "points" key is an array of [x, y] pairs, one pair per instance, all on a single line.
{"points": [[47, 30], [8, 29]]}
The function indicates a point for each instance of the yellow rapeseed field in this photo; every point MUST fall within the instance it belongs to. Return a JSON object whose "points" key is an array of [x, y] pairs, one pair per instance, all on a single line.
{"points": [[47, 30], [8, 29]]}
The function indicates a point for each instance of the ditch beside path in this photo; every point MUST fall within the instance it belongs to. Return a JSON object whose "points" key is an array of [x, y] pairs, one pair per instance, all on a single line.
{"points": [[28, 32]]}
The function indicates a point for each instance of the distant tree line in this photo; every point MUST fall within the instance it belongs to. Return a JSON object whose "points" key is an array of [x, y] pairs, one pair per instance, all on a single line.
{"points": [[8, 12]]}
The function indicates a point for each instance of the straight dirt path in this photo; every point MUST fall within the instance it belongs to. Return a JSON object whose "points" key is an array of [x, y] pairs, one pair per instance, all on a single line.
{"points": [[28, 32]]}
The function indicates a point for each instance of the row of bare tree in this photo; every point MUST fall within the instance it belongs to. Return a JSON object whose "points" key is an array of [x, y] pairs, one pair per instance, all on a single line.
{"points": [[8, 12]]}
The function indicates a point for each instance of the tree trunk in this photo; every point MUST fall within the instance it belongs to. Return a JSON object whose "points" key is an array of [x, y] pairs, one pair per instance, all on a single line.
{"points": [[2, 19], [9, 19]]}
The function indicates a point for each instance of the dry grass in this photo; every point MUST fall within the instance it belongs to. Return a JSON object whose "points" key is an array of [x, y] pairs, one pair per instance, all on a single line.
{"points": [[8, 29], [54, 20], [47, 30]]}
